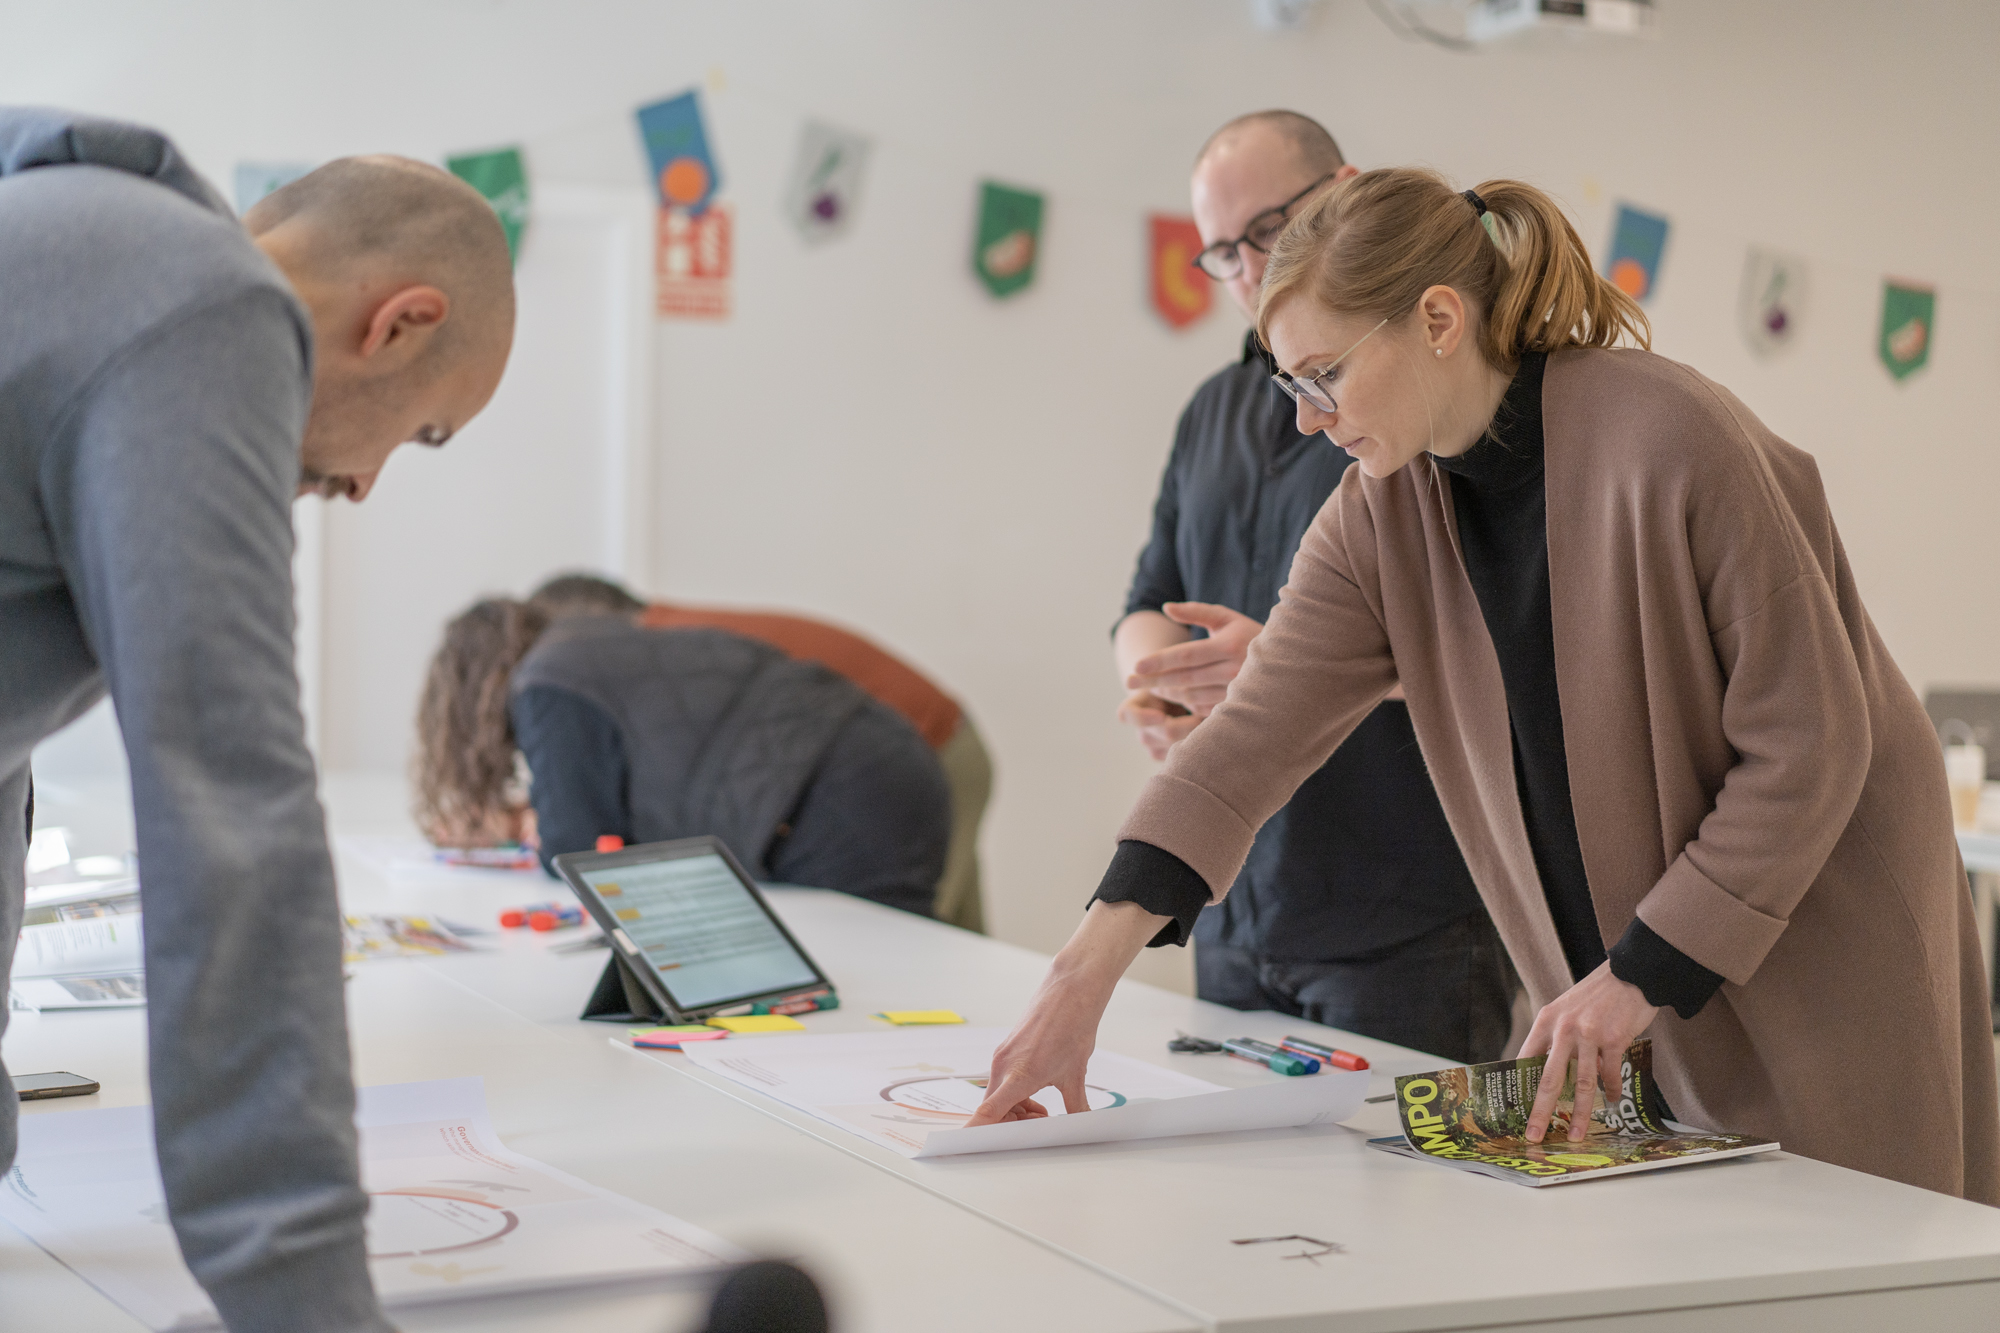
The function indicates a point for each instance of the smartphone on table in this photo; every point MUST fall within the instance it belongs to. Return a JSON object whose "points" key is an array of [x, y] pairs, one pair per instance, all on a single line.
{"points": [[33, 1087]]}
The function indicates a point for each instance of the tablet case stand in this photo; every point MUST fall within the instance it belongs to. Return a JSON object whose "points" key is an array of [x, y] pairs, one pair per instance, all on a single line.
{"points": [[619, 998]]}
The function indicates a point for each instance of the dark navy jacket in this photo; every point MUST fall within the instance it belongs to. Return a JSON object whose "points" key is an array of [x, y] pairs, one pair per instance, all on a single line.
{"points": [[1361, 859]]}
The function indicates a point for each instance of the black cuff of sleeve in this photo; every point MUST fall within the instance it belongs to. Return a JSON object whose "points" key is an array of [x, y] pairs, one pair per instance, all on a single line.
{"points": [[1158, 881], [1664, 975]]}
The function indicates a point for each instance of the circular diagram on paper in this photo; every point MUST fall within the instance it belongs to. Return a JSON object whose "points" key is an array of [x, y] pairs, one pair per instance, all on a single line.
{"points": [[955, 1096], [431, 1219]]}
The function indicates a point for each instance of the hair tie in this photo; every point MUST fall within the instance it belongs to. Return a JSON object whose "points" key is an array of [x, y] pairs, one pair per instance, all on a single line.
{"points": [[1485, 218]]}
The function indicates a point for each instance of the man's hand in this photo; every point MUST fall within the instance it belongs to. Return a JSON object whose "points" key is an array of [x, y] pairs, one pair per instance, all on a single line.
{"points": [[1196, 674], [1161, 725], [1592, 1023]]}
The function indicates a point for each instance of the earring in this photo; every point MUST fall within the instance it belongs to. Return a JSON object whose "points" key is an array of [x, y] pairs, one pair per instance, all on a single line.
{"points": [[1439, 351]]}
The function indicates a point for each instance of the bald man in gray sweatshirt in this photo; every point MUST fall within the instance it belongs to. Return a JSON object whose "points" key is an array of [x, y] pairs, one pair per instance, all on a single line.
{"points": [[170, 379]]}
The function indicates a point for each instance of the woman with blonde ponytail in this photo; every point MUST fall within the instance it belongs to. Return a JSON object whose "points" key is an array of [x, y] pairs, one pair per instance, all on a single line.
{"points": [[1697, 796]]}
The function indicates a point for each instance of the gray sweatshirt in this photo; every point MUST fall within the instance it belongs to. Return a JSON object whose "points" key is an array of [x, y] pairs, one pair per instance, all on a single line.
{"points": [[155, 372]]}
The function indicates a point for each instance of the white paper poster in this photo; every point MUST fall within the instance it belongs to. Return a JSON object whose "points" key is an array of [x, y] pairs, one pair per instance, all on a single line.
{"points": [[453, 1212], [912, 1092]]}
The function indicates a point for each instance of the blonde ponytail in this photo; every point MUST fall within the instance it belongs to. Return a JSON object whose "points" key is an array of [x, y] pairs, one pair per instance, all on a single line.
{"points": [[1371, 245]]}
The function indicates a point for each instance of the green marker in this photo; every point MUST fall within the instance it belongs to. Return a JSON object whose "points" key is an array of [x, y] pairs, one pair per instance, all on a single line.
{"points": [[1273, 1059]]}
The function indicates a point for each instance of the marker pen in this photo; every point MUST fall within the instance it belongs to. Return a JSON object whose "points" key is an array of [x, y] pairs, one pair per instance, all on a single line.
{"points": [[558, 914], [1273, 1059], [555, 919], [798, 1004], [1331, 1055]]}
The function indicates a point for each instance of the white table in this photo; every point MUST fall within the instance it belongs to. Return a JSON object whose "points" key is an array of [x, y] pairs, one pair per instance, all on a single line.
{"points": [[889, 1257], [1131, 1236], [1773, 1238]]}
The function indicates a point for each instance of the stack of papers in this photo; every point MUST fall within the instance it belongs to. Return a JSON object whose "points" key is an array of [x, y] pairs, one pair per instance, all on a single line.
{"points": [[912, 1092], [378, 936], [454, 1213]]}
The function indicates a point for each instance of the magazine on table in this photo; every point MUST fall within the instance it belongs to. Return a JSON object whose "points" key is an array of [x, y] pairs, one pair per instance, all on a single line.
{"points": [[1476, 1118], [81, 947]]}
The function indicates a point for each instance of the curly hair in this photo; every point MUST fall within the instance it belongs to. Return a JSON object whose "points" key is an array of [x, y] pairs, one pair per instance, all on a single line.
{"points": [[464, 770]]}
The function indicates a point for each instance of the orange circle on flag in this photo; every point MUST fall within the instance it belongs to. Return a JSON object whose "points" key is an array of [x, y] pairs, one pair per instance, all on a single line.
{"points": [[684, 181], [1629, 277]]}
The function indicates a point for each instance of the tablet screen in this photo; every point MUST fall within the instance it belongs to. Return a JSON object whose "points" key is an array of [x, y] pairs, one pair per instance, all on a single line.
{"points": [[703, 929]]}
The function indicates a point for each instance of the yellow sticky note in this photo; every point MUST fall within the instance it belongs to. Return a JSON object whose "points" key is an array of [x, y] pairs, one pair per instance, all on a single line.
{"points": [[912, 1017], [759, 1023]]}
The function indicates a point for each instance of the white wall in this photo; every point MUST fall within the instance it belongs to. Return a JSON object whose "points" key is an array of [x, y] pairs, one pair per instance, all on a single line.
{"points": [[873, 439]]}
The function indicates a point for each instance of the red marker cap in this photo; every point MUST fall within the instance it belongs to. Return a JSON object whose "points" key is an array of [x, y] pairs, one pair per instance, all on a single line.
{"points": [[542, 921], [609, 842], [513, 918]]}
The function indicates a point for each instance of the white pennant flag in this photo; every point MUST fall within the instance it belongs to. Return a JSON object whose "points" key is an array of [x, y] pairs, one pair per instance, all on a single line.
{"points": [[825, 188], [1773, 300]]}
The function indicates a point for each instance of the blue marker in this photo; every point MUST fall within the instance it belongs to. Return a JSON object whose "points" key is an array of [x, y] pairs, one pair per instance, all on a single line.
{"points": [[1273, 1059]]}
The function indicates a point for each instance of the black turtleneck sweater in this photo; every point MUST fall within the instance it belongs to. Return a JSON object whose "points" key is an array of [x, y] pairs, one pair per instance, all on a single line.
{"points": [[1501, 506]]}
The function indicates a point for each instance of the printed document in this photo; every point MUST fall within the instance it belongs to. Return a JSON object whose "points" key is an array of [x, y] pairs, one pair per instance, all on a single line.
{"points": [[911, 1091]]}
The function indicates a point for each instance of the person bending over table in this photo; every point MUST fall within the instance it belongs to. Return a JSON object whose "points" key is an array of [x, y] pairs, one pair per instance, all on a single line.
{"points": [[169, 379], [660, 734], [1698, 797], [1353, 908], [938, 718]]}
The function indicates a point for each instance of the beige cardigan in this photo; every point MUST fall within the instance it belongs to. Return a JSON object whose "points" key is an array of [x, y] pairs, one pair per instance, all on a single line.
{"points": [[1752, 775]]}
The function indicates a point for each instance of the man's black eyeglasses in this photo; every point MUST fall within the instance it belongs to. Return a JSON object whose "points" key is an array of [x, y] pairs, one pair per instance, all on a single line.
{"points": [[1224, 260]]}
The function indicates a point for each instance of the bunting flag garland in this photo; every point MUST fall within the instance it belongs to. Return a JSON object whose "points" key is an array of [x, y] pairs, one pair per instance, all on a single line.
{"points": [[692, 263], [1181, 292], [1772, 300], [501, 178], [1008, 242], [1909, 319], [694, 241], [1637, 241], [254, 180], [684, 170], [826, 180]]}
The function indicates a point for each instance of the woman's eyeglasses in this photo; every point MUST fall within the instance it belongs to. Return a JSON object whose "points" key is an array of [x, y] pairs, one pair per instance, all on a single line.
{"points": [[1224, 260], [1310, 389]]}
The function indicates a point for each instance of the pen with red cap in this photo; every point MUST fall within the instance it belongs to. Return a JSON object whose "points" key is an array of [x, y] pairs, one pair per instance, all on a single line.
{"points": [[1326, 1055]]}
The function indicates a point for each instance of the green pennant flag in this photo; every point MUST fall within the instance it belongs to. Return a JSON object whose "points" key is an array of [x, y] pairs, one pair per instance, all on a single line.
{"points": [[1009, 239], [1909, 318], [499, 176]]}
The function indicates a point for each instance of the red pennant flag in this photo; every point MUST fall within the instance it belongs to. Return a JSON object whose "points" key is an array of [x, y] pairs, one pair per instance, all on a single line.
{"points": [[1181, 293]]}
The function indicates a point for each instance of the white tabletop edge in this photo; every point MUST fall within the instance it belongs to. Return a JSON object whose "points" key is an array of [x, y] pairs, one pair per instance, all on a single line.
{"points": [[853, 1147], [1486, 1312]]}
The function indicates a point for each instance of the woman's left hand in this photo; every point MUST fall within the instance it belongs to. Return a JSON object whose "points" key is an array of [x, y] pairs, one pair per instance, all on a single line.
{"points": [[1592, 1023]]}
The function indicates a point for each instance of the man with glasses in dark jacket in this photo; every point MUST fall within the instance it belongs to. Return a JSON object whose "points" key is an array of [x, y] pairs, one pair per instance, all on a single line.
{"points": [[1354, 909]]}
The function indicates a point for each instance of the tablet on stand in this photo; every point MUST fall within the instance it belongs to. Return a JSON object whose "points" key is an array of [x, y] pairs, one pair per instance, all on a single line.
{"points": [[691, 937]]}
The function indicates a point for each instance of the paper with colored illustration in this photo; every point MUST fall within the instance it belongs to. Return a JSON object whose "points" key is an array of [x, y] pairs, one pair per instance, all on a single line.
{"points": [[453, 1212], [912, 1091]]}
